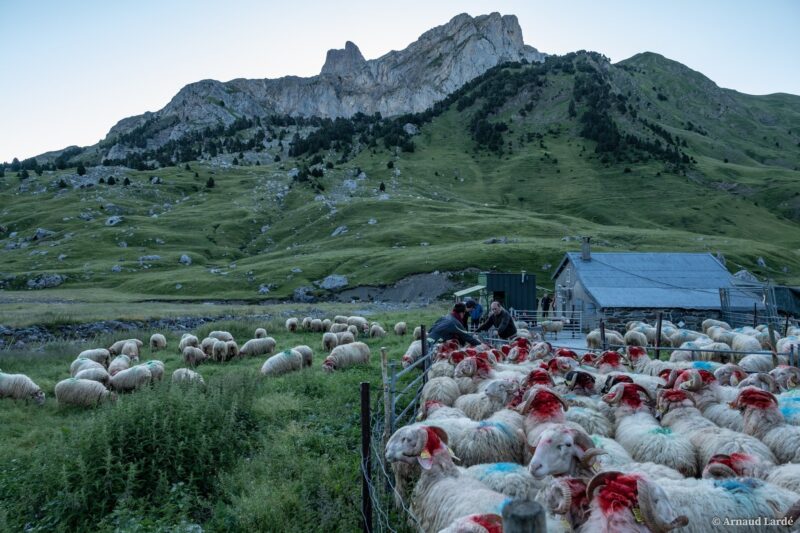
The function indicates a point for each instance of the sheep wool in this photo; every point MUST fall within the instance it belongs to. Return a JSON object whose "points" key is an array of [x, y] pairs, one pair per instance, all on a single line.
{"points": [[376, 331], [193, 356], [116, 348], [187, 340], [307, 353], [417, 333], [345, 337], [95, 374], [208, 345], [400, 329], [184, 375], [157, 342], [99, 355], [120, 363], [156, 368], [347, 355], [261, 333], [220, 351], [232, 350], [81, 392], [329, 341], [338, 327], [316, 325], [353, 331], [441, 389], [282, 363], [326, 324], [20, 387], [358, 321], [258, 346], [340, 319], [82, 364], [131, 349], [131, 379], [305, 324], [291, 325], [221, 335]]}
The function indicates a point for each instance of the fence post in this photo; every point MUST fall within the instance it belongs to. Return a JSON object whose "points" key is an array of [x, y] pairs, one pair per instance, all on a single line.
{"points": [[658, 337], [786, 326], [392, 386], [387, 399], [755, 315], [523, 516], [423, 339], [366, 465], [603, 335], [773, 344]]}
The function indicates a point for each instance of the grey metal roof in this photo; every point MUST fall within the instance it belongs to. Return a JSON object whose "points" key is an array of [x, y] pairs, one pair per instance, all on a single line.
{"points": [[657, 280]]}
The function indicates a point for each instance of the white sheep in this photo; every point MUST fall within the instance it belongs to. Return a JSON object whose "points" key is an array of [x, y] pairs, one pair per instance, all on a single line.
{"points": [[282, 363], [440, 389], [787, 344], [260, 333], [20, 387], [292, 324], [258, 346], [193, 356], [344, 337], [635, 338], [184, 375], [346, 355], [340, 319], [131, 349], [82, 364], [400, 329], [82, 392], [116, 348], [482, 405], [307, 353], [220, 351], [221, 335], [99, 355], [329, 341], [187, 339], [763, 420], [361, 323], [156, 369], [207, 345], [157, 342], [551, 326], [95, 374], [413, 352], [338, 328], [511, 479], [376, 331], [131, 379], [744, 465], [232, 350], [326, 324], [417, 333], [305, 324], [118, 364], [316, 325], [594, 339], [354, 331], [709, 322]]}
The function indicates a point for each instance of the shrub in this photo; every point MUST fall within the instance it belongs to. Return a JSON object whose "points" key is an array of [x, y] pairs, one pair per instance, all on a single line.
{"points": [[156, 453]]}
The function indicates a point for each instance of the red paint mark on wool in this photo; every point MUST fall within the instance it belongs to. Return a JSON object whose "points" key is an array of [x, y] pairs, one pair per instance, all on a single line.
{"points": [[757, 399], [588, 359], [609, 358], [674, 395], [630, 395], [457, 356], [740, 460], [566, 352], [664, 374], [547, 405], [522, 342], [505, 349], [552, 366], [492, 523], [707, 376], [433, 443], [538, 377], [471, 352], [497, 354], [619, 492], [636, 351], [585, 380]]}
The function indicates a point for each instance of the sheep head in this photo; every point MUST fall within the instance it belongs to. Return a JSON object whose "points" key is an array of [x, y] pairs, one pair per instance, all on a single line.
{"points": [[38, 397], [614, 380], [562, 450], [669, 399], [694, 380], [733, 465], [543, 402], [501, 390], [730, 374], [584, 381], [567, 496], [472, 367], [751, 397], [627, 393], [636, 352], [787, 377], [417, 444], [760, 381]]}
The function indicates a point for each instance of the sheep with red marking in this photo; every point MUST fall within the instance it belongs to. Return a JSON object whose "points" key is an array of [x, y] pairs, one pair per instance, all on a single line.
{"points": [[763, 420], [710, 398], [724, 466]]}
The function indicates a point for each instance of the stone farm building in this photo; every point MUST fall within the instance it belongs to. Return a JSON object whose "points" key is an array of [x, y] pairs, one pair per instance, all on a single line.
{"points": [[619, 287]]}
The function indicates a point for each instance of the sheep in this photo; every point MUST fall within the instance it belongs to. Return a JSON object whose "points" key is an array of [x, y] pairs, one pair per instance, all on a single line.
{"points": [[359, 322], [511, 479], [305, 324], [758, 362], [353, 331], [400, 329], [442, 494], [20, 387], [282, 363], [763, 420], [99, 355], [219, 351], [193, 356], [116, 348], [344, 337], [82, 364], [131, 349], [744, 344], [441, 369], [82, 392], [413, 352], [640, 433], [338, 328], [744, 465], [441, 389], [120, 362], [307, 353], [329, 341], [594, 340], [787, 377], [709, 322], [95, 374], [157, 342], [551, 326], [787, 344], [316, 325], [260, 333], [232, 350], [481, 405], [642, 364], [292, 325], [221, 336], [184, 375], [258, 346], [375, 331], [131, 379], [347, 355], [156, 369], [417, 333], [187, 339], [326, 324], [635, 338], [712, 399], [340, 319]]}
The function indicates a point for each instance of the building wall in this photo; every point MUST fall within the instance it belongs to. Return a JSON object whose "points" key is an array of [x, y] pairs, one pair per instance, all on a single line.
{"points": [[577, 299]]}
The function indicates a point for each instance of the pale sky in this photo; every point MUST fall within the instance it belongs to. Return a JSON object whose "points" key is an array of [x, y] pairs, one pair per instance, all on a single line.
{"points": [[70, 69]]}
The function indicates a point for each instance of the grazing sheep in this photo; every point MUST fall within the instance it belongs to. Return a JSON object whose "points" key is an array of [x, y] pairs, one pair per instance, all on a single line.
{"points": [[232, 350], [116, 348], [187, 339], [82, 392], [307, 353], [120, 362], [292, 324], [353, 331], [261, 333], [413, 352], [347, 355], [340, 319], [193, 356], [131, 379], [338, 328], [20, 387], [82, 364], [99, 355], [375, 331], [157, 342], [208, 346], [95, 374], [329, 341], [131, 349], [156, 369], [220, 351], [184, 375], [221, 335], [258, 346], [400, 329], [326, 324], [316, 326], [344, 337], [417, 333], [305, 324], [282, 363], [442, 389], [361, 323]]}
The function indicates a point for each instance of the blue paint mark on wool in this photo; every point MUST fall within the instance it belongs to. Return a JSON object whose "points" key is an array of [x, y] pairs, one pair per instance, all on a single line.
{"points": [[660, 431], [739, 485], [500, 507], [703, 365], [790, 411], [499, 425], [502, 468]]}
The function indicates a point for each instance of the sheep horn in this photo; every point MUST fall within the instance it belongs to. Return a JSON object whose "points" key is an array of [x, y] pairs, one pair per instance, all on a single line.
{"points": [[719, 470], [589, 456], [582, 439], [695, 383], [650, 515], [673, 376], [598, 481], [773, 386], [614, 395], [559, 497], [642, 390]]}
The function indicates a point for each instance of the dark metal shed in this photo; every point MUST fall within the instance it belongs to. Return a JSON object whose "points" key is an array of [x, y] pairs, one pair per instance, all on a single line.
{"points": [[513, 290]]}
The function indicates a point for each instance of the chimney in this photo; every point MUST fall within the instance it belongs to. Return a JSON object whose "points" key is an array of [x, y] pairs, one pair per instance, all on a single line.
{"points": [[586, 253]]}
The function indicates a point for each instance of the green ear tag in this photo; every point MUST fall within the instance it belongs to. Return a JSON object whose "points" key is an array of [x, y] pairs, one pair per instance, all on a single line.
{"points": [[637, 515]]}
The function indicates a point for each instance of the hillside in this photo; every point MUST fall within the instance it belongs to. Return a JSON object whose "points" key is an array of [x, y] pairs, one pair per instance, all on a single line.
{"points": [[505, 174]]}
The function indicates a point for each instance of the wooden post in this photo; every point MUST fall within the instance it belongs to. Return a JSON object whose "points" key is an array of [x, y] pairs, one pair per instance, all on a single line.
{"points": [[366, 464], [423, 339], [387, 399], [523, 516], [658, 337], [786, 326], [755, 315], [603, 335]]}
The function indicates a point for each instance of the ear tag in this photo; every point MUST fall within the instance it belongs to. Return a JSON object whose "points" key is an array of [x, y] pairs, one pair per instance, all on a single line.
{"points": [[596, 467], [637, 515], [566, 525]]}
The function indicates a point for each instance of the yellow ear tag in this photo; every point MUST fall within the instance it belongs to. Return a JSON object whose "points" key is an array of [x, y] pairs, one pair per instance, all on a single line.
{"points": [[596, 467], [565, 523], [424, 454], [637, 515], [452, 454]]}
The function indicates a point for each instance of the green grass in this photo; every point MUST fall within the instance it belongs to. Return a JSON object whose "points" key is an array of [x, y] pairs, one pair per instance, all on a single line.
{"points": [[299, 472]]}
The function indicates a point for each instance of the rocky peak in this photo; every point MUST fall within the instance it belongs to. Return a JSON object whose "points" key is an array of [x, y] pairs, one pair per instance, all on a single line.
{"points": [[344, 62]]}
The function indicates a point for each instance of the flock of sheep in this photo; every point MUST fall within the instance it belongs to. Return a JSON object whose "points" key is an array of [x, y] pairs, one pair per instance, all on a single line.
{"points": [[612, 441]]}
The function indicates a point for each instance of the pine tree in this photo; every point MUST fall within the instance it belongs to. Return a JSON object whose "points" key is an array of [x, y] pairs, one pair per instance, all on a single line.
{"points": [[187, 167], [81, 170], [210, 183], [62, 184], [126, 182], [112, 180]]}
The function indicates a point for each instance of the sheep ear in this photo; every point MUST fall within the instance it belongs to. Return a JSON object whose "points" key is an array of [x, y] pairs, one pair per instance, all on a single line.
{"points": [[442, 434]]}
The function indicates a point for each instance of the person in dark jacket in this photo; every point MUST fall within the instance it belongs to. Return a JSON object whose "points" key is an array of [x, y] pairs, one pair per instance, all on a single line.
{"points": [[475, 312], [501, 320], [547, 302], [452, 327]]}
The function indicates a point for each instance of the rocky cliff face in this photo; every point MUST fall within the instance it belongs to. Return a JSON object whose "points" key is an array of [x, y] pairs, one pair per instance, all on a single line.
{"points": [[411, 80]]}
